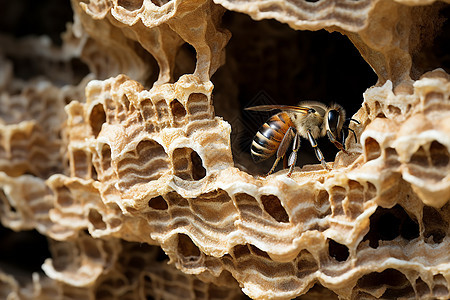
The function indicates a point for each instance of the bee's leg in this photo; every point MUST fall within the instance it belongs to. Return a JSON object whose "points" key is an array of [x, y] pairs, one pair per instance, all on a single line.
{"points": [[282, 148], [319, 154], [293, 157], [335, 142]]}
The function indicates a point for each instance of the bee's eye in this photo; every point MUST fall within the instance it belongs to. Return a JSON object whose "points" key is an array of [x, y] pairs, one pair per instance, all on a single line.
{"points": [[333, 119], [311, 110]]}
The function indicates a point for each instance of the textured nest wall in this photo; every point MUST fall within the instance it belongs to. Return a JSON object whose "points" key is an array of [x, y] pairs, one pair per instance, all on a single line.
{"points": [[117, 166]]}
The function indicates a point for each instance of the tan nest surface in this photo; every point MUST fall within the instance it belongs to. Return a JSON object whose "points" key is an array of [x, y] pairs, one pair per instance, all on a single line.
{"points": [[122, 175]]}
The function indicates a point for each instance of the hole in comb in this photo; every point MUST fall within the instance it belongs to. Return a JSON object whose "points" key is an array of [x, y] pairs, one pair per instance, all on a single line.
{"points": [[388, 223], [96, 119], [388, 277], [187, 249], [96, 219], [338, 251], [198, 171], [435, 225], [178, 111], [188, 164], [439, 154], [130, 4], [158, 203], [272, 205]]}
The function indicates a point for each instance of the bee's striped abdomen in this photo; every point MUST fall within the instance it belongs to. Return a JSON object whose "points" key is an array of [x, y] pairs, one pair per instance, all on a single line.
{"points": [[269, 136]]}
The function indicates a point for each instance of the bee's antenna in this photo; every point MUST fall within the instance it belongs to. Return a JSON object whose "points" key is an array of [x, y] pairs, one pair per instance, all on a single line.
{"points": [[354, 134], [356, 121]]}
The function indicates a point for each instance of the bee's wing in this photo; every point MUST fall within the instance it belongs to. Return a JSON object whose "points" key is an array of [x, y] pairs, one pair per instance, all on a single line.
{"points": [[301, 109]]}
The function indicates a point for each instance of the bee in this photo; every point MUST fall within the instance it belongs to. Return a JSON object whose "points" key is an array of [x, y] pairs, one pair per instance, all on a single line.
{"points": [[309, 120]]}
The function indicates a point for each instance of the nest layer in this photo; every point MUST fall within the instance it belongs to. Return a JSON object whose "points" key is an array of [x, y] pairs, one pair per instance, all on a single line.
{"points": [[137, 190]]}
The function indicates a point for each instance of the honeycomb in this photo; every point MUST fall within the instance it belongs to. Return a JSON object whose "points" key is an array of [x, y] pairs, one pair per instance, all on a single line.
{"points": [[118, 168]]}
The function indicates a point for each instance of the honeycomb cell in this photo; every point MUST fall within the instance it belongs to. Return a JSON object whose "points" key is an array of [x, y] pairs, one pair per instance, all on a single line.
{"points": [[240, 251], [198, 106], [187, 164], [306, 264], [338, 195], [440, 288], [64, 197], [148, 109], [428, 162], [106, 157], [130, 4], [393, 110], [188, 251], [81, 163], [176, 200], [162, 111], [213, 208], [97, 118], [198, 171], [354, 206], [439, 155], [147, 163], [247, 205], [391, 157], [423, 290], [372, 149], [178, 111], [420, 158], [96, 219]]}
